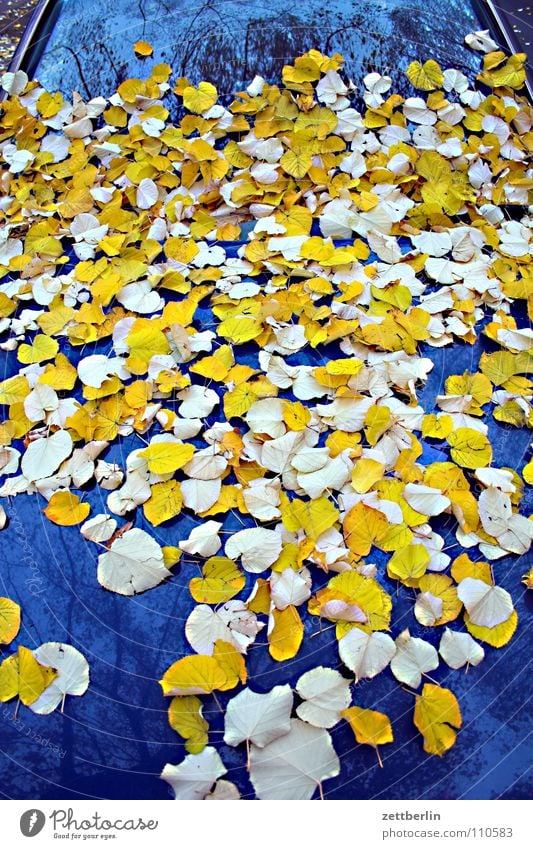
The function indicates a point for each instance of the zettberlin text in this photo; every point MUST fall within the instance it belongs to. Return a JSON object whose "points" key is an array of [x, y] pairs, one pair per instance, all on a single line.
{"points": [[407, 815]]}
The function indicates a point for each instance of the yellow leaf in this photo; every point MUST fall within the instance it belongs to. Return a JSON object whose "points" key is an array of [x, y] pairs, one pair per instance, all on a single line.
{"points": [[164, 503], [55, 320], [441, 586], [511, 74], [296, 416], [370, 727], [409, 564], [366, 472], [144, 341], [166, 457], [296, 163], [40, 241], [368, 595], [221, 580], [217, 366], [129, 89], [22, 675], [193, 675], [14, 390], [239, 330], [339, 440], [43, 348], [49, 104], [497, 636], [286, 636], [463, 567], [436, 715], [239, 400], [9, 620], [426, 77], [470, 448], [171, 555], [200, 99], [65, 508], [437, 427], [232, 664], [345, 366], [527, 473], [143, 48], [364, 527], [313, 517], [185, 717]]}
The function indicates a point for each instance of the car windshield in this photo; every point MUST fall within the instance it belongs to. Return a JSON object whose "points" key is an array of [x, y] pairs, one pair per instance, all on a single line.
{"points": [[88, 47]]}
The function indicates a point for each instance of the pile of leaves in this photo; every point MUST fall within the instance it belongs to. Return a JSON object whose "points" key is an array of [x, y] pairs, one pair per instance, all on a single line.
{"points": [[253, 295]]}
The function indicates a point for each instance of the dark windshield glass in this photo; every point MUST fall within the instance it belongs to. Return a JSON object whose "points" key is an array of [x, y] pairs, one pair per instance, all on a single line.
{"points": [[90, 50]]}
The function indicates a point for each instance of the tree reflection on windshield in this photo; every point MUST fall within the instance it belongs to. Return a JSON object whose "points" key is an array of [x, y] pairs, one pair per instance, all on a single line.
{"points": [[229, 41]]}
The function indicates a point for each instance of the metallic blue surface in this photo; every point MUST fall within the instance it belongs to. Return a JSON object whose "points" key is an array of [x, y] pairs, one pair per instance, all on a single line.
{"points": [[114, 741]]}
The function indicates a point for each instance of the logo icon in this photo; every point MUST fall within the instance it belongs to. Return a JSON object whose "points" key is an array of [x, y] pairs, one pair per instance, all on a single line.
{"points": [[32, 822]]}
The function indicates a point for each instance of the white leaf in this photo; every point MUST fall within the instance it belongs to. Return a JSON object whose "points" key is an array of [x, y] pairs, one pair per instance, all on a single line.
{"points": [[290, 587], [434, 244], [204, 627], [293, 766], [266, 416], [499, 478], [413, 658], [366, 654], [258, 548], [197, 402], [108, 475], [486, 605], [57, 145], [87, 228], [494, 511], [513, 531], [41, 401], [336, 472], [425, 499], [428, 608], [223, 791], [262, 498], [140, 297], [343, 611], [195, 775], [200, 495], [72, 678], [206, 465], [44, 456], [133, 564], [99, 528], [258, 717], [147, 194], [95, 369], [232, 622], [14, 83], [326, 692], [457, 648], [277, 453], [481, 40], [415, 110], [133, 492], [203, 540]]}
